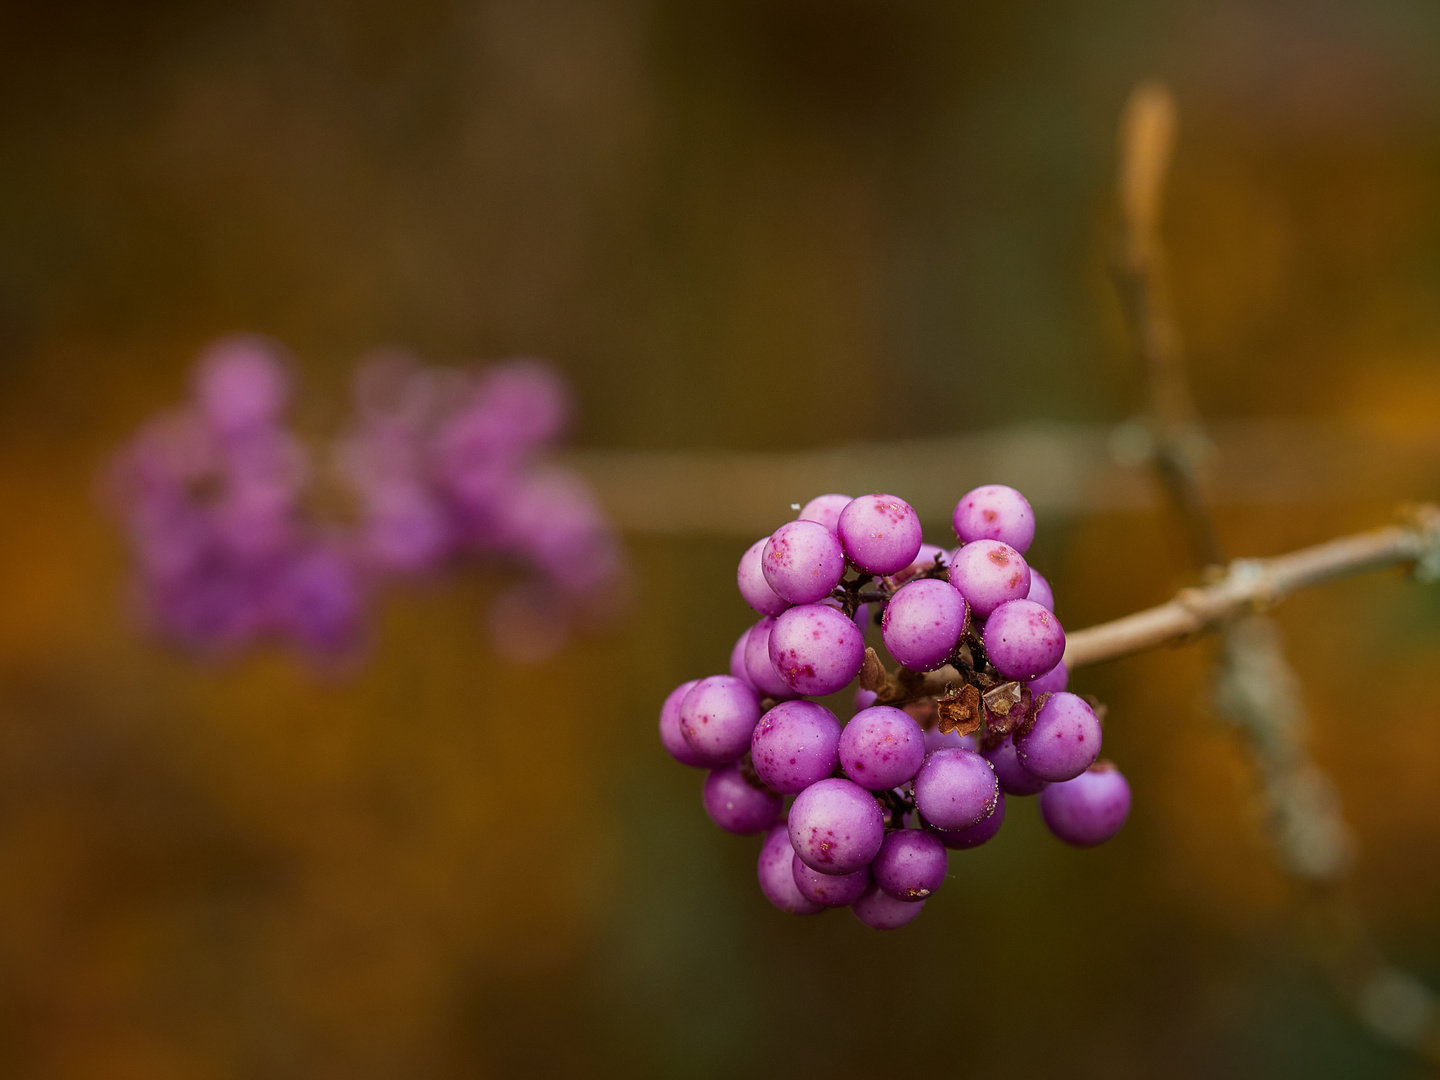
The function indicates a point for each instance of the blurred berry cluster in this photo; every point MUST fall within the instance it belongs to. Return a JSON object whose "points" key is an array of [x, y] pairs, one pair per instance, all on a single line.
{"points": [[242, 533], [977, 710]]}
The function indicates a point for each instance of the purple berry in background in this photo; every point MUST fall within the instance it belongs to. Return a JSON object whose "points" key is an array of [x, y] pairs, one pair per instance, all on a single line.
{"points": [[911, 864], [763, 676], [754, 589], [925, 559], [935, 739], [1088, 809], [802, 561], [922, 624], [988, 573], [794, 745], [816, 649], [1040, 591], [881, 533], [737, 659], [1023, 640], [879, 910], [670, 736], [825, 509], [955, 788], [736, 805], [1014, 778], [777, 881], [979, 833], [1052, 682], [864, 698], [995, 512], [830, 890], [836, 826], [241, 385], [1061, 741], [881, 747], [717, 717]]}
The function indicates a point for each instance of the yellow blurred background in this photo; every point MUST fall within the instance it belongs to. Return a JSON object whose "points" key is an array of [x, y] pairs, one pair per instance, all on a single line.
{"points": [[733, 225]]}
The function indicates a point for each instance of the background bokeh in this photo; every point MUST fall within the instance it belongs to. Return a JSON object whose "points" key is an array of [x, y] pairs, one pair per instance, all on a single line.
{"points": [[732, 224]]}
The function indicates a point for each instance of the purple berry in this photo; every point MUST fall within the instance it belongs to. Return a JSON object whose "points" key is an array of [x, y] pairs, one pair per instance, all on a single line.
{"points": [[737, 659], [1040, 591], [935, 739], [754, 589], [241, 385], [955, 788], [922, 624], [762, 674], [864, 698], [717, 717], [995, 512], [777, 880], [879, 910], [836, 826], [881, 533], [736, 805], [816, 649], [1014, 778], [1052, 682], [987, 573], [1089, 809], [830, 890], [881, 747], [670, 736], [1023, 640], [802, 561], [975, 835], [911, 864], [1061, 741], [825, 509], [795, 744], [925, 559]]}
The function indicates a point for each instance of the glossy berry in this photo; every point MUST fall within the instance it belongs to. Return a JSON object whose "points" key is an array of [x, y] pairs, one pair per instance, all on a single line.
{"points": [[995, 512], [879, 910], [836, 826], [1040, 590], [736, 805], [830, 890], [754, 589], [816, 649], [979, 833], [825, 509], [881, 747], [1023, 640], [988, 573], [880, 533], [802, 562], [922, 624], [1014, 778], [777, 880], [670, 736], [1088, 809], [911, 864], [1061, 741], [955, 788], [794, 745], [717, 717], [1052, 682]]}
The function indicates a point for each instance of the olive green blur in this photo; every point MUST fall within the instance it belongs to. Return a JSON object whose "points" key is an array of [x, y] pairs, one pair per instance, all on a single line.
{"points": [[733, 224]]}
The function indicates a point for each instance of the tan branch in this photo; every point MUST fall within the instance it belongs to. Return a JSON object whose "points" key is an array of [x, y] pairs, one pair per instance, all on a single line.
{"points": [[1250, 585]]}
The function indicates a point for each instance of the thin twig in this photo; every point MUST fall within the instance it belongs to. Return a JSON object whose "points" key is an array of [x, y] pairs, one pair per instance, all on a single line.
{"points": [[1251, 585]]}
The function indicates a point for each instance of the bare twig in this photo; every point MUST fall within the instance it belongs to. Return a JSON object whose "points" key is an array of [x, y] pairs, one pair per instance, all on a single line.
{"points": [[1251, 585]]}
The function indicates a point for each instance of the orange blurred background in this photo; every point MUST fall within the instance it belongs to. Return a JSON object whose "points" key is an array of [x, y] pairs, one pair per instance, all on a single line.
{"points": [[737, 225]]}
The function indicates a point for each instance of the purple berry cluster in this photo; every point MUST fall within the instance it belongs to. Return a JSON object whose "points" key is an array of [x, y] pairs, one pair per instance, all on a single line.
{"points": [[976, 710], [220, 500]]}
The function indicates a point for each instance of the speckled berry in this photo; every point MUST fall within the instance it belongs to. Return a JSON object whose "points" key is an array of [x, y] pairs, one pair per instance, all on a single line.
{"points": [[670, 735], [922, 624], [716, 718], [1014, 778], [802, 561], [1061, 741], [995, 512], [880, 533], [777, 881], [955, 788], [988, 573], [881, 747], [979, 833], [1023, 640], [911, 864], [825, 509], [836, 826], [794, 745], [736, 805], [754, 589], [816, 649], [830, 890]]}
